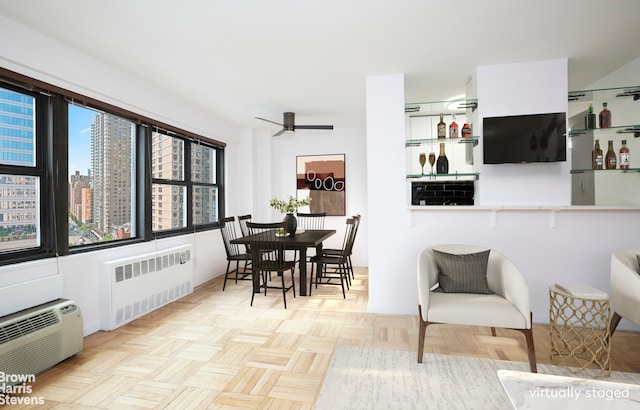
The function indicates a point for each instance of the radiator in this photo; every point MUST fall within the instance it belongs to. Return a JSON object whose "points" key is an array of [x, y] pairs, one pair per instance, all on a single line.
{"points": [[133, 287], [37, 338]]}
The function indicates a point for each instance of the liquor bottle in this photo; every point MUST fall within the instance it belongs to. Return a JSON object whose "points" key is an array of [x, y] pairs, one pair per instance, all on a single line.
{"points": [[596, 156], [466, 130], [610, 160], [442, 128], [624, 156], [453, 127], [590, 119], [442, 164], [605, 116]]}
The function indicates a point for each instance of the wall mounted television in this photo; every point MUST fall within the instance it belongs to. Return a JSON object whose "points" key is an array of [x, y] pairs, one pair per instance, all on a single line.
{"points": [[529, 138]]}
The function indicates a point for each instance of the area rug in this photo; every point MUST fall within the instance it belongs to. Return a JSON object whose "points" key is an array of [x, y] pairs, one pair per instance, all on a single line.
{"points": [[373, 378]]}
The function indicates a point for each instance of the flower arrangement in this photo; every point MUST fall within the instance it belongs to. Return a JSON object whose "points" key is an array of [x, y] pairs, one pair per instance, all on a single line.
{"points": [[290, 206]]}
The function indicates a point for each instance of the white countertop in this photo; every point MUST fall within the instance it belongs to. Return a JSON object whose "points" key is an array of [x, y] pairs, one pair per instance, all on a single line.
{"points": [[546, 392]]}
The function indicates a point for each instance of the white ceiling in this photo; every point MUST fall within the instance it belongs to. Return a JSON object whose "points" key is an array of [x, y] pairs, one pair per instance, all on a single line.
{"points": [[245, 58]]}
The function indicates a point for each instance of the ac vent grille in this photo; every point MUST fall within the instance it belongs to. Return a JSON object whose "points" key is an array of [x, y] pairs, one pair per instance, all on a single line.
{"points": [[15, 330]]}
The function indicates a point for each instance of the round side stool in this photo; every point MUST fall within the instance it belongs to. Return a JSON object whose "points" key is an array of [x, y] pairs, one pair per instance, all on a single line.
{"points": [[579, 318]]}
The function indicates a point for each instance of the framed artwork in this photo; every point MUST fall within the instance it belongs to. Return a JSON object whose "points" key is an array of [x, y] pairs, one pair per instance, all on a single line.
{"points": [[321, 177]]}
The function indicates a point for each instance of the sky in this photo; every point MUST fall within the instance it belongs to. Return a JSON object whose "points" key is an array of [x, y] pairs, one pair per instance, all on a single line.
{"points": [[80, 119]]}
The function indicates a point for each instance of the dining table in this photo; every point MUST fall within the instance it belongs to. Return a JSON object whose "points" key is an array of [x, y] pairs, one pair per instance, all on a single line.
{"points": [[310, 238]]}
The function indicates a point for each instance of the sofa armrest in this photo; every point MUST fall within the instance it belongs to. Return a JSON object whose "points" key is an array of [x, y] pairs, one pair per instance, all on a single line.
{"points": [[427, 277], [506, 280]]}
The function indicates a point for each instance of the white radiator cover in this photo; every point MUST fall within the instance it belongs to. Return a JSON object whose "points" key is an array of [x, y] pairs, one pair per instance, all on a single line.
{"points": [[135, 286], [35, 339]]}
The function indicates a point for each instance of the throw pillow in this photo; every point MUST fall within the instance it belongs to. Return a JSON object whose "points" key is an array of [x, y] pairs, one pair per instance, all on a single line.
{"points": [[465, 273]]}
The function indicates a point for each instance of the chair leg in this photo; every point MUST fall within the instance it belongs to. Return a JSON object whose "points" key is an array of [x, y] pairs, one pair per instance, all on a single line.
{"points": [[531, 351], [224, 285], [284, 290], [615, 320], [493, 331], [422, 325]]}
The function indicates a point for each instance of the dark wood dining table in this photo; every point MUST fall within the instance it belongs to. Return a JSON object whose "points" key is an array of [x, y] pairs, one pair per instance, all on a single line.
{"points": [[301, 242]]}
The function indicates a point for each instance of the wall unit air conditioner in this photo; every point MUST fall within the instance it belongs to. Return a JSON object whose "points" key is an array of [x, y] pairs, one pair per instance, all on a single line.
{"points": [[36, 339]]}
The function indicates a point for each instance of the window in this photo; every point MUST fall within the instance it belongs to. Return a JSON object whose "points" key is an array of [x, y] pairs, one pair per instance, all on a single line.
{"points": [[20, 173], [102, 181], [184, 178], [78, 174]]}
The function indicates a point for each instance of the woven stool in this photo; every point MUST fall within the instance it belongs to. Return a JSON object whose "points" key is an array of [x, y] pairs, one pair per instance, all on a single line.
{"points": [[579, 324]]}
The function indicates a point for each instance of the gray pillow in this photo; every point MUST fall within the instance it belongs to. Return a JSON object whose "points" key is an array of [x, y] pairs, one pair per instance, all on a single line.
{"points": [[465, 273]]}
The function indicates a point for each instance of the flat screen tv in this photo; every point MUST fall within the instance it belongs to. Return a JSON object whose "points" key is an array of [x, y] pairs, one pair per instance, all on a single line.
{"points": [[530, 138]]}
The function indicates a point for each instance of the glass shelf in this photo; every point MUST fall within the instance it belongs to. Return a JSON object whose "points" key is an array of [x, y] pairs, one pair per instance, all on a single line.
{"points": [[437, 107], [442, 177], [622, 129], [601, 94], [617, 170], [418, 142]]}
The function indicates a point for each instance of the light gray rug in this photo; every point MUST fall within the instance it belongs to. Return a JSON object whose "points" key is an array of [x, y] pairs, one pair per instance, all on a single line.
{"points": [[371, 378]]}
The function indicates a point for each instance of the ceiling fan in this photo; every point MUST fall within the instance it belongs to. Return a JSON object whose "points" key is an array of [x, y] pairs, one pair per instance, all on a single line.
{"points": [[289, 124]]}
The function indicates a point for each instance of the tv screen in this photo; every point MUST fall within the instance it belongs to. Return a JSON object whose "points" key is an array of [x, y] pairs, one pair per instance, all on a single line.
{"points": [[525, 138]]}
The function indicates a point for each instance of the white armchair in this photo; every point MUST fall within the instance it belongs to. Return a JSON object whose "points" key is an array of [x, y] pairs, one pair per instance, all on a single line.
{"points": [[625, 287], [507, 307]]}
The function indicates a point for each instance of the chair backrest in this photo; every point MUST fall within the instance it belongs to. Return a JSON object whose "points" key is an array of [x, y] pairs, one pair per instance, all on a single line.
{"points": [[228, 231], [311, 221], [242, 221], [268, 251], [349, 237]]}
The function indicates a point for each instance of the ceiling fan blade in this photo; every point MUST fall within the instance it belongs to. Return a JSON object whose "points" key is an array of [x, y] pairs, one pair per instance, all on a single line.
{"points": [[277, 134], [313, 127], [264, 119]]}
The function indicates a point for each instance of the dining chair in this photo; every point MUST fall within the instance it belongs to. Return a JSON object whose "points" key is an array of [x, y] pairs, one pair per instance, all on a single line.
{"points": [[313, 221], [334, 266], [268, 253], [334, 252], [234, 252]]}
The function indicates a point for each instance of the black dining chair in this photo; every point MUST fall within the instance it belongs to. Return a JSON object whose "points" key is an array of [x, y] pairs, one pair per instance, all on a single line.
{"points": [[268, 253], [242, 221], [313, 221], [334, 266], [335, 252], [235, 253]]}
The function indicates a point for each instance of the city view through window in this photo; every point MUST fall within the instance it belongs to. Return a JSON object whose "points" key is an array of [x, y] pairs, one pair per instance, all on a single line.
{"points": [[101, 184]]}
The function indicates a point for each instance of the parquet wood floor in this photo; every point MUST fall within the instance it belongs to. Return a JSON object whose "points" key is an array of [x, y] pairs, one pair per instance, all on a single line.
{"points": [[211, 350]]}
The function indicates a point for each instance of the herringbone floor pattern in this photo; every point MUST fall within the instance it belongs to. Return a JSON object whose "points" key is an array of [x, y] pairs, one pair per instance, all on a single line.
{"points": [[211, 350]]}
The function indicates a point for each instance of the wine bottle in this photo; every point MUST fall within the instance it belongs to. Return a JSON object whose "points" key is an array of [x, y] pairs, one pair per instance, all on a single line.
{"points": [[610, 160], [442, 127], [466, 130], [590, 119], [605, 116], [442, 164], [624, 156], [596, 156], [453, 127]]}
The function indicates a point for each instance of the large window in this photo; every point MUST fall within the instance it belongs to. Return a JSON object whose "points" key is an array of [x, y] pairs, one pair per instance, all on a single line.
{"points": [[19, 172], [78, 174], [102, 176], [184, 178]]}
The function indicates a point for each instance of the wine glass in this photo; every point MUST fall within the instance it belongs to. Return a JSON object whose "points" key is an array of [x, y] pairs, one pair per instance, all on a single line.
{"points": [[423, 160], [432, 160]]}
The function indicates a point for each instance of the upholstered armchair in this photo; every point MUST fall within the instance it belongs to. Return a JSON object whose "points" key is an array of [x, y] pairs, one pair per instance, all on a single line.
{"points": [[453, 289], [625, 287]]}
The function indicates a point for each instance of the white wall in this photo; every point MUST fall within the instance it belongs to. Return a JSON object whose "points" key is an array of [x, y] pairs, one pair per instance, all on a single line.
{"points": [[557, 243]]}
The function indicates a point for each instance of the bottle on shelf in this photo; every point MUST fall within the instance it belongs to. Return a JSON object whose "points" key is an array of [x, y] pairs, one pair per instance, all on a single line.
{"points": [[442, 127], [596, 156], [610, 160], [605, 116], [466, 130], [453, 127], [624, 155], [590, 119], [442, 164]]}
